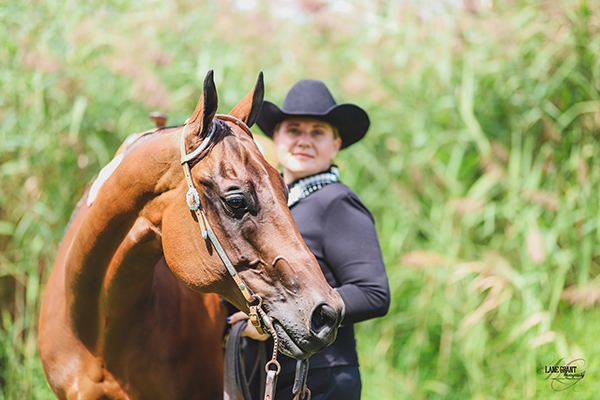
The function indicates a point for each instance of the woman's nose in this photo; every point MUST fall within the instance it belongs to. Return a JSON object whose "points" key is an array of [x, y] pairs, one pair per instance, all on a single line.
{"points": [[303, 139]]}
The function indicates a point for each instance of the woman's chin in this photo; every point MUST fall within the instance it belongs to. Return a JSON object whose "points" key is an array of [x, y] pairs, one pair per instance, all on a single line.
{"points": [[297, 165], [302, 170]]}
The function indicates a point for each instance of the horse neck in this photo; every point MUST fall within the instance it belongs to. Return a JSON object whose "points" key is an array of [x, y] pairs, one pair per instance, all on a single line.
{"points": [[112, 256]]}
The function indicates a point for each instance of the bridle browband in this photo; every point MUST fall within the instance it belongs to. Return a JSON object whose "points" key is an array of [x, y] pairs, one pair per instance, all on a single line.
{"points": [[258, 317]]}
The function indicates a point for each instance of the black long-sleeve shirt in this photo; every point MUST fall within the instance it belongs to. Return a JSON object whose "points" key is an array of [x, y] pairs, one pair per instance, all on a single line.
{"points": [[339, 230]]}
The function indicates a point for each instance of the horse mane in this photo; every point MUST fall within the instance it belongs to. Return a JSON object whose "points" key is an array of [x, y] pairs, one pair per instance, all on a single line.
{"points": [[221, 131], [146, 137]]}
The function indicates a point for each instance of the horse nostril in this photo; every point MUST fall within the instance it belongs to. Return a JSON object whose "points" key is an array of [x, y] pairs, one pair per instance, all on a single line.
{"points": [[324, 317]]}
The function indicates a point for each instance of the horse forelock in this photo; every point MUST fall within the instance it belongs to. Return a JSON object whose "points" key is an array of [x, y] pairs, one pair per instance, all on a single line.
{"points": [[240, 153], [221, 131], [237, 151]]}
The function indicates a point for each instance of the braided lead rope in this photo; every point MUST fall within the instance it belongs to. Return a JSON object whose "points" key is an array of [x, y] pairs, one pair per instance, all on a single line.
{"points": [[271, 379]]}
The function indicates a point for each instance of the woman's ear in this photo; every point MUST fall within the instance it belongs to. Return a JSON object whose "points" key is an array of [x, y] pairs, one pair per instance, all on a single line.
{"points": [[337, 144]]}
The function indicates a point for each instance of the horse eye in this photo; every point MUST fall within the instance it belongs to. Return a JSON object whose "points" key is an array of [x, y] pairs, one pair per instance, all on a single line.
{"points": [[236, 202]]}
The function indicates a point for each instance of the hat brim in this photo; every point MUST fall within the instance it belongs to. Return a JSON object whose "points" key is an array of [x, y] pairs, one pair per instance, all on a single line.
{"points": [[351, 121]]}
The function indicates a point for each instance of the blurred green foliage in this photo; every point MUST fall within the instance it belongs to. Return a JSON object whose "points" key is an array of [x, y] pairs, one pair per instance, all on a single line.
{"points": [[481, 165]]}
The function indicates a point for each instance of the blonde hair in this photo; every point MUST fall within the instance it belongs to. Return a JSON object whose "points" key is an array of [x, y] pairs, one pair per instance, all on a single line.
{"points": [[336, 132]]}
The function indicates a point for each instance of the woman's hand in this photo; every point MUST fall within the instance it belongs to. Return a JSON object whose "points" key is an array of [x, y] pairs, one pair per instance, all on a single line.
{"points": [[249, 331]]}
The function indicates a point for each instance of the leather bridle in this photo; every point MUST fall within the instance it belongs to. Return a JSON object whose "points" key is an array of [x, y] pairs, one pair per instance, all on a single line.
{"points": [[258, 317]]}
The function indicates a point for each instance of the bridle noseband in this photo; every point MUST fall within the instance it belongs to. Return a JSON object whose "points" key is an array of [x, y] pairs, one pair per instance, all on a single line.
{"points": [[258, 317]]}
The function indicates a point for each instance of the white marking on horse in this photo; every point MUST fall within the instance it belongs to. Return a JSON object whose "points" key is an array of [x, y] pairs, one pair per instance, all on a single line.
{"points": [[102, 177]]}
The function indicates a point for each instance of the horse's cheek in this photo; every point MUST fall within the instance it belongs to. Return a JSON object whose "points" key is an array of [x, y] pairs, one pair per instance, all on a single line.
{"points": [[183, 250], [177, 252]]}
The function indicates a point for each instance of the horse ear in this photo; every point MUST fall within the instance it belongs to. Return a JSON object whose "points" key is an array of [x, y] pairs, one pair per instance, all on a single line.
{"points": [[200, 121], [249, 107]]}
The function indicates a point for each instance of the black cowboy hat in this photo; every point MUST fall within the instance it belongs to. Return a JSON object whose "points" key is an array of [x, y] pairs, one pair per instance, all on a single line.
{"points": [[311, 98]]}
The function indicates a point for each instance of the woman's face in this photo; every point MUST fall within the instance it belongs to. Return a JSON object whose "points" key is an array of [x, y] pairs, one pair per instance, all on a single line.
{"points": [[305, 146]]}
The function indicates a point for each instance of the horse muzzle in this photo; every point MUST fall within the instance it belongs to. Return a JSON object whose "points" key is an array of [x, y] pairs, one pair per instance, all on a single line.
{"points": [[300, 336]]}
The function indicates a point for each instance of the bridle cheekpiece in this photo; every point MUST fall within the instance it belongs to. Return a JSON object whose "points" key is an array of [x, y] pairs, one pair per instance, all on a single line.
{"points": [[258, 317]]}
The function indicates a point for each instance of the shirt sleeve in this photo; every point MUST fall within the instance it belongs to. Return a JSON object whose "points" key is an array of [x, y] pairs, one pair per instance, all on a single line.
{"points": [[352, 251]]}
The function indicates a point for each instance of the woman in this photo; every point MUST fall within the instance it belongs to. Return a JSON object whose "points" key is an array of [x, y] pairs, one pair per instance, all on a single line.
{"points": [[308, 130]]}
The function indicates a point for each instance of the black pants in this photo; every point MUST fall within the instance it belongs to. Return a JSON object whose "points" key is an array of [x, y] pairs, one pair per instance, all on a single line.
{"points": [[330, 383], [333, 383]]}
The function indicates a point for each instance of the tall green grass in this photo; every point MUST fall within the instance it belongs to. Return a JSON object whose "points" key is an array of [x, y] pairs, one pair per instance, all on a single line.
{"points": [[480, 168]]}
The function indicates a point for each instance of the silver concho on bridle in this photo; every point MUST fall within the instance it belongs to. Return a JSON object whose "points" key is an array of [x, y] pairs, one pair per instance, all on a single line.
{"points": [[193, 199]]}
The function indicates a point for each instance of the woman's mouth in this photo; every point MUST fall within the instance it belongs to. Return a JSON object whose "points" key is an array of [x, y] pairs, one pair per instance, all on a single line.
{"points": [[302, 156]]}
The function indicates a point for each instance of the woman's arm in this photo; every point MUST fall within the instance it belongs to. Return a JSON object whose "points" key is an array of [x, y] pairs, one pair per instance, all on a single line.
{"points": [[352, 252]]}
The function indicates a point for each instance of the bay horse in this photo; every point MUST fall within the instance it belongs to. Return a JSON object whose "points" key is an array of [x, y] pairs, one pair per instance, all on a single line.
{"points": [[180, 217]]}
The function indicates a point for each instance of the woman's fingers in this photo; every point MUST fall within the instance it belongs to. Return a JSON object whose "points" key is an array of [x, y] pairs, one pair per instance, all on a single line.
{"points": [[238, 316], [249, 331]]}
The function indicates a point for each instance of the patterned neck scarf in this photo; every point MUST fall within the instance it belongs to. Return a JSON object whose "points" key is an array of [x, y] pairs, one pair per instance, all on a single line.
{"points": [[305, 186]]}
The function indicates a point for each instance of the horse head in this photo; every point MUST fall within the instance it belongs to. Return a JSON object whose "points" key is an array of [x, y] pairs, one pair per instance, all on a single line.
{"points": [[242, 201]]}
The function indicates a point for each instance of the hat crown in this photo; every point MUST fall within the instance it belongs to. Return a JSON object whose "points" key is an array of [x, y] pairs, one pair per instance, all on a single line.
{"points": [[311, 98], [308, 96]]}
